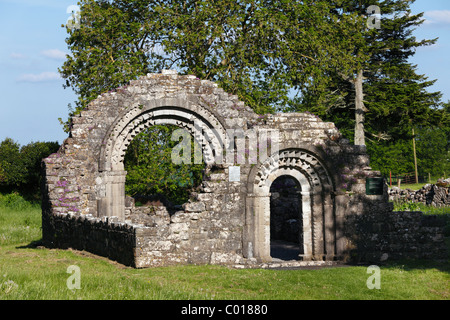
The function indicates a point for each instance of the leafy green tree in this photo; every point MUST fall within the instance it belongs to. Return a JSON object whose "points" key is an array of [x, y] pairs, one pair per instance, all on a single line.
{"points": [[150, 170], [230, 42], [394, 157], [445, 121], [433, 145], [32, 155], [338, 51], [108, 50], [12, 169], [432, 148], [20, 167]]}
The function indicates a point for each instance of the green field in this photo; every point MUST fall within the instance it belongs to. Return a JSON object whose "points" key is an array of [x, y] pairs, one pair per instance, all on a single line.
{"points": [[29, 271]]}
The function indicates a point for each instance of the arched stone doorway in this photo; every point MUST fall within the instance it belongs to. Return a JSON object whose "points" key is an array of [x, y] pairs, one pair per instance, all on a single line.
{"points": [[286, 224], [202, 125], [317, 205]]}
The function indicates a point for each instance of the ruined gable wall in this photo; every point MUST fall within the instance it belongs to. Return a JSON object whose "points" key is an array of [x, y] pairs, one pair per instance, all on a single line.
{"points": [[212, 226]]}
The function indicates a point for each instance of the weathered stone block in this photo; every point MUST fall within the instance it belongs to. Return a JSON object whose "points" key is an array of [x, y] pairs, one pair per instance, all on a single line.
{"points": [[194, 207]]}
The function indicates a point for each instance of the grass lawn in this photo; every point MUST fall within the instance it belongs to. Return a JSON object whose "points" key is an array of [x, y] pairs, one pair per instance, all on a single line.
{"points": [[30, 272], [414, 186]]}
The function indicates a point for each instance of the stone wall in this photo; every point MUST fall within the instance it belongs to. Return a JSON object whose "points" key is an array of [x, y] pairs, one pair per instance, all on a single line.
{"points": [[380, 235], [206, 230], [151, 236], [227, 219], [374, 237], [105, 237], [430, 194]]}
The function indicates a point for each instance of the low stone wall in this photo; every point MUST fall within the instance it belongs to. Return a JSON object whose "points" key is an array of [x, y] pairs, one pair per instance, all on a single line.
{"points": [[430, 194], [152, 236], [382, 236], [188, 239], [105, 237], [376, 237]]}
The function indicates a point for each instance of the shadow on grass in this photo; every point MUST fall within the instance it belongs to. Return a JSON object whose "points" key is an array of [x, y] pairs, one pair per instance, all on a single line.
{"points": [[405, 264], [36, 244], [409, 264]]}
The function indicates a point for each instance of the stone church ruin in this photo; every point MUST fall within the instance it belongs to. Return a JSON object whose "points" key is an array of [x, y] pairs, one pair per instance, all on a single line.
{"points": [[308, 187]]}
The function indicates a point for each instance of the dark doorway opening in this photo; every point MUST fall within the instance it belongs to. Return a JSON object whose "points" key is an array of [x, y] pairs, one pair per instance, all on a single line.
{"points": [[286, 224]]}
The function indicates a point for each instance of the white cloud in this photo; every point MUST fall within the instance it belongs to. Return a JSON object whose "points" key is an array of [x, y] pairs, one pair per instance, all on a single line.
{"points": [[41, 77], [437, 17], [16, 55], [54, 54]]}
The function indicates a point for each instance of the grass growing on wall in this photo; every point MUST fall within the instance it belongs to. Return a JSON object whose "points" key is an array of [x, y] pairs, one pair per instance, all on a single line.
{"points": [[29, 271]]}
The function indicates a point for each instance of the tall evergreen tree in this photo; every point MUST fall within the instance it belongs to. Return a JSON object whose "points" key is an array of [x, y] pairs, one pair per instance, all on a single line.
{"points": [[371, 89]]}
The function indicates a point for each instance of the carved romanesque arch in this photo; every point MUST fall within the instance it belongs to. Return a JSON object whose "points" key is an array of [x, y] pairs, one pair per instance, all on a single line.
{"points": [[197, 120], [319, 223], [201, 123]]}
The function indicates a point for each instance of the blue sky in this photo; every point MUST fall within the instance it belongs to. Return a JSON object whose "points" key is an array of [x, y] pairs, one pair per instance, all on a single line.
{"points": [[33, 48]]}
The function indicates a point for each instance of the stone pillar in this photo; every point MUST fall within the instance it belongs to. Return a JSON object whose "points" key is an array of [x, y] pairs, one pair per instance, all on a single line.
{"points": [[113, 202], [329, 225], [307, 226], [248, 238], [317, 220], [262, 247], [257, 228]]}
